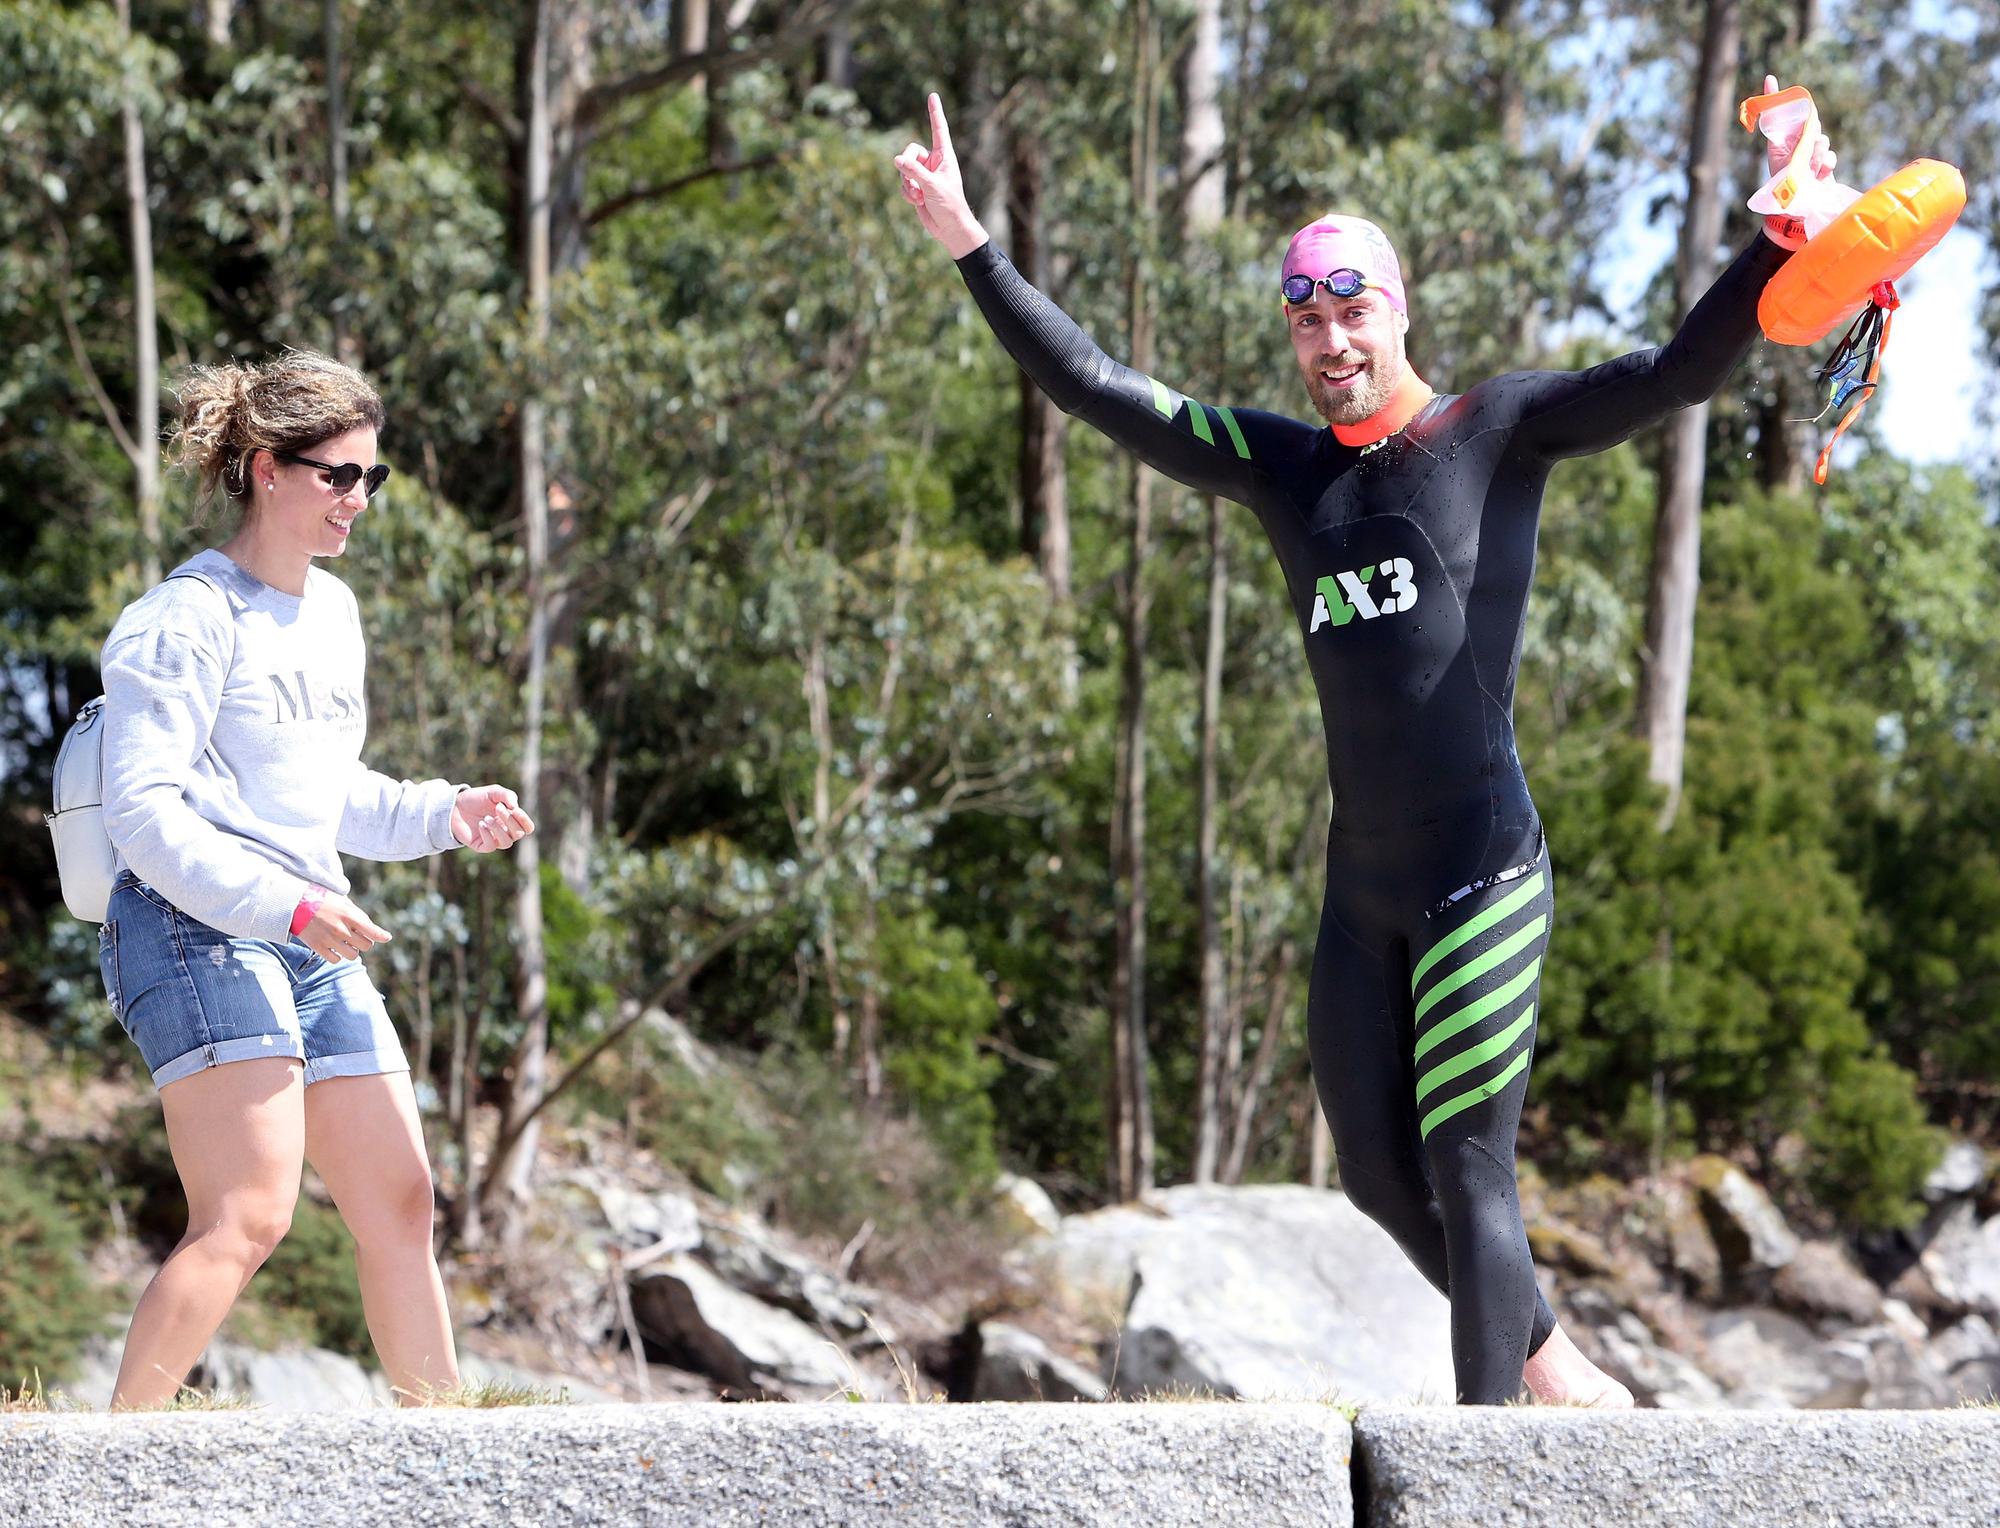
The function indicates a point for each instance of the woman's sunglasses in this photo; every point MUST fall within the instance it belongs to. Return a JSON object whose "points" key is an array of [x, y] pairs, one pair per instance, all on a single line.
{"points": [[1342, 283], [344, 476]]}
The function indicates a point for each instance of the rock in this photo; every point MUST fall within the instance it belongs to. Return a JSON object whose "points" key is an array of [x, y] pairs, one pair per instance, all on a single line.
{"points": [[1267, 1291], [1767, 1358], [1960, 1172], [1014, 1365], [698, 1322], [1966, 1341], [1824, 1281], [1968, 1353], [1901, 1319], [289, 1378], [1750, 1233], [744, 1252], [1963, 1262], [1558, 1245], [1913, 1290], [1620, 1343], [1023, 1206], [1897, 1374], [1691, 1245], [642, 1222]]}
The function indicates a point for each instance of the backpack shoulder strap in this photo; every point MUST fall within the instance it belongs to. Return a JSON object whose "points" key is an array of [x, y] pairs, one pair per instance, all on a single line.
{"points": [[203, 578]]}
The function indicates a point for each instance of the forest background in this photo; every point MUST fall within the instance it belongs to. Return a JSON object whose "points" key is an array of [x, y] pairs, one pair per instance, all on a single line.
{"points": [[888, 731]]}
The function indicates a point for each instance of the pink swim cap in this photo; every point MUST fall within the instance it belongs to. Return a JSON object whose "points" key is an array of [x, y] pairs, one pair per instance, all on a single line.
{"points": [[1336, 241]]}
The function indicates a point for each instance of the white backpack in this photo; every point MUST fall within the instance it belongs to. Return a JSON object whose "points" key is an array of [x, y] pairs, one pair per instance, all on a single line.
{"points": [[85, 860]]}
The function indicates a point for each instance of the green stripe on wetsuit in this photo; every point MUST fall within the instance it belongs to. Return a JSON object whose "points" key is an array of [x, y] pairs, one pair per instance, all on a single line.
{"points": [[1163, 401], [1498, 980], [1504, 908]]}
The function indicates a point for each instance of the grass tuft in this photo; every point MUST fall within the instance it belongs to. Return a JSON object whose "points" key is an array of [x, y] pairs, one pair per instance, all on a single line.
{"points": [[490, 1394], [187, 1398], [33, 1397]]}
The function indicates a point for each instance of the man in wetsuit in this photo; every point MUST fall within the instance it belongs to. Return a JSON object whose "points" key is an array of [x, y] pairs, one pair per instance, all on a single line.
{"points": [[1406, 530]]}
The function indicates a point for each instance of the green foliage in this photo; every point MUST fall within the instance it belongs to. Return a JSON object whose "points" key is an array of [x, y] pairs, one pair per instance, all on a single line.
{"points": [[842, 1167], [49, 1306], [1872, 1148], [310, 1281], [821, 728], [576, 944], [694, 1113], [937, 1008]]}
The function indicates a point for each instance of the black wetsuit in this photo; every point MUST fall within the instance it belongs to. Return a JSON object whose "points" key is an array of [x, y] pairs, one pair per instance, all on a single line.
{"points": [[1408, 564]]}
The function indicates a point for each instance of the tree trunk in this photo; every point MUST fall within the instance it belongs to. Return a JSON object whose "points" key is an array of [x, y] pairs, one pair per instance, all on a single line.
{"points": [[1260, 1069], [1243, 20], [836, 54], [1205, 177], [1044, 476], [1510, 99], [1214, 984], [1131, 1095], [1670, 600], [1203, 173], [721, 135], [868, 1075], [690, 27], [1785, 439], [570, 75], [216, 17], [336, 160], [508, 1170], [145, 323]]}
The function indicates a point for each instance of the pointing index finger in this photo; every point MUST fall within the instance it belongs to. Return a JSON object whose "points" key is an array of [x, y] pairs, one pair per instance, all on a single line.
{"points": [[941, 149]]}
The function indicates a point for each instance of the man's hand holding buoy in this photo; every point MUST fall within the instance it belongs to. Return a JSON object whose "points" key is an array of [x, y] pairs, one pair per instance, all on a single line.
{"points": [[1789, 232]]}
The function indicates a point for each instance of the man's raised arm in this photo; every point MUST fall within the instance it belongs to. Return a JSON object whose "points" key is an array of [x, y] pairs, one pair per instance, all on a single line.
{"points": [[1213, 450], [1576, 413]]}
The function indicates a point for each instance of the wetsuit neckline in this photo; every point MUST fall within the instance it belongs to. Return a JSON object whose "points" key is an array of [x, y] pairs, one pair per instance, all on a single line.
{"points": [[1411, 394]]}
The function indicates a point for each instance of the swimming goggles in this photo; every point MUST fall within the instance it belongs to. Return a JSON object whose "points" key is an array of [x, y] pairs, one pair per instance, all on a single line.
{"points": [[1345, 282]]}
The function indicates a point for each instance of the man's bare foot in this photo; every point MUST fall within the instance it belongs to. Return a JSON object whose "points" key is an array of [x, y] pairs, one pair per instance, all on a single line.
{"points": [[1559, 1375]]}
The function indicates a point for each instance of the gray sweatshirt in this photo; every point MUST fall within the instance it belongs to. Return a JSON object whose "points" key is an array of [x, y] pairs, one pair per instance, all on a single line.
{"points": [[233, 725]]}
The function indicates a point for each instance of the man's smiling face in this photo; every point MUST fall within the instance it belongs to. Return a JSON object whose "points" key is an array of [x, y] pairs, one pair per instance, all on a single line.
{"points": [[1350, 351]]}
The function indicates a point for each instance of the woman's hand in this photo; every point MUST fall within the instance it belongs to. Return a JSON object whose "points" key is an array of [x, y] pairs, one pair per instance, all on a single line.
{"points": [[933, 185], [341, 931], [486, 818]]}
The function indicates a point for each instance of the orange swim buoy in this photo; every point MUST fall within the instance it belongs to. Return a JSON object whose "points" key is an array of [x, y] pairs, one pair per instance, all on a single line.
{"points": [[1847, 269], [1894, 224]]}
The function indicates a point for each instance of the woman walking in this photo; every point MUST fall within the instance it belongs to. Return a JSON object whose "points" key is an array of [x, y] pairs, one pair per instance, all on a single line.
{"points": [[233, 783]]}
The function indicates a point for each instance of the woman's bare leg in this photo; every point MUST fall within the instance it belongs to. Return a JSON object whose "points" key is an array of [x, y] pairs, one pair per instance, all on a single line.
{"points": [[364, 1139], [238, 1136]]}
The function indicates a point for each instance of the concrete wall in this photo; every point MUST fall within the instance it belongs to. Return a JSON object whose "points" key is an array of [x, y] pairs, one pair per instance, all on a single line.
{"points": [[939, 1466], [1424, 1467], [1155, 1464]]}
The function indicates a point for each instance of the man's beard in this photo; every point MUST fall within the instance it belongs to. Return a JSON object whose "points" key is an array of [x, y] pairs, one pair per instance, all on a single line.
{"points": [[1351, 405]]}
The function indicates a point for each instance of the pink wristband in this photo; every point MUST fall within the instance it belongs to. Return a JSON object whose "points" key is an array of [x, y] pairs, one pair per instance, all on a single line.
{"points": [[307, 908]]}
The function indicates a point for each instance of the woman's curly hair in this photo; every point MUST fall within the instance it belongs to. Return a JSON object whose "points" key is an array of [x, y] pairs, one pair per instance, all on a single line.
{"points": [[289, 403]]}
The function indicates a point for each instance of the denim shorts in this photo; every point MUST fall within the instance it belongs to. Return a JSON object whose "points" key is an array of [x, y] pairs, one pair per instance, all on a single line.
{"points": [[192, 997]]}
